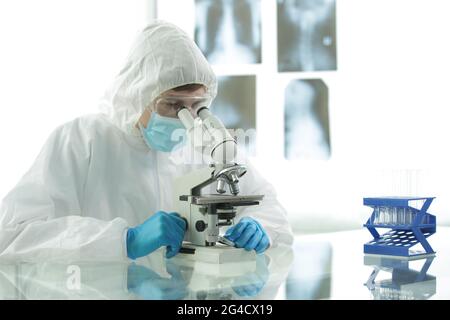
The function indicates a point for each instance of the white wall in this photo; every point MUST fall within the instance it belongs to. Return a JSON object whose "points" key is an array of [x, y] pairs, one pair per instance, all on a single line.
{"points": [[56, 60], [388, 100]]}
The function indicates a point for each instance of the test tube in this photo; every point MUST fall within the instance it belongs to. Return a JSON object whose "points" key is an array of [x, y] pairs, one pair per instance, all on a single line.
{"points": [[383, 215], [400, 215], [386, 215], [408, 219], [394, 213], [390, 215], [413, 216], [380, 215], [376, 218]]}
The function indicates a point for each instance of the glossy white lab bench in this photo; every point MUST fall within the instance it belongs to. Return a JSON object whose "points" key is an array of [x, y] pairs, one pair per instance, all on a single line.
{"points": [[320, 266]]}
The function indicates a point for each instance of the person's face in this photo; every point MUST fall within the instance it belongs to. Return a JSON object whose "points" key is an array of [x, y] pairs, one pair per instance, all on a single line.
{"points": [[171, 101]]}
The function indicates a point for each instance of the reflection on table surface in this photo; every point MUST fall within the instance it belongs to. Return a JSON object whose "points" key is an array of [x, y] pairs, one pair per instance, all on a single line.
{"points": [[153, 277], [404, 282], [333, 266], [320, 266]]}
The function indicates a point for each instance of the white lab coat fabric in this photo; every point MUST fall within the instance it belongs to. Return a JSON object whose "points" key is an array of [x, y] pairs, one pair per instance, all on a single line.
{"points": [[95, 176]]}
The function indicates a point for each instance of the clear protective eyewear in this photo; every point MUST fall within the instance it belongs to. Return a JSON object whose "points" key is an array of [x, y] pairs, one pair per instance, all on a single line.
{"points": [[168, 106]]}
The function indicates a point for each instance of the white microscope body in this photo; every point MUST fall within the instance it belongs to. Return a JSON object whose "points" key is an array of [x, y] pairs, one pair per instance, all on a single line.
{"points": [[206, 213]]}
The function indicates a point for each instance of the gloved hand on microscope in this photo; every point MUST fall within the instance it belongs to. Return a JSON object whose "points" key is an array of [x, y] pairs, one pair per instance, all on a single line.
{"points": [[161, 229], [248, 234], [168, 229]]}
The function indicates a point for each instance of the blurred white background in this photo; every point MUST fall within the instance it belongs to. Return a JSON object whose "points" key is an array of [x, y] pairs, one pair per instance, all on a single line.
{"points": [[56, 60], [389, 103]]}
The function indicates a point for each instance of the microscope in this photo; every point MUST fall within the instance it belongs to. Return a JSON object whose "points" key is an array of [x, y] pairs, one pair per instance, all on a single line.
{"points": [[206, 213]]}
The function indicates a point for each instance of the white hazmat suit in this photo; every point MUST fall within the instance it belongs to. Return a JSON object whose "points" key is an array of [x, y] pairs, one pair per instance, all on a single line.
{"points": [[95, 176]]}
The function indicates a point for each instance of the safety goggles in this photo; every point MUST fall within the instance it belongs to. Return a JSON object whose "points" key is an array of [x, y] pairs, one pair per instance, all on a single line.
{"points": [[169, 105]]}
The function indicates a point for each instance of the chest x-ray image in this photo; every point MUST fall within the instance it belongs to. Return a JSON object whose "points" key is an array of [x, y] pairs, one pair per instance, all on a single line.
{"points": [[306, 124], [229, 31], [306, 35], [235, 105]]}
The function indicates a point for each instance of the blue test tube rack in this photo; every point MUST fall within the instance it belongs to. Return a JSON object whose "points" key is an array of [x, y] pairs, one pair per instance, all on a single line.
{"points": [[409, 226]]}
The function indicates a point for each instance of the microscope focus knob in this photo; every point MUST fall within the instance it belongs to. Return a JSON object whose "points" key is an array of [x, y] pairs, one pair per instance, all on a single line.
{"points": [[200, 226]]}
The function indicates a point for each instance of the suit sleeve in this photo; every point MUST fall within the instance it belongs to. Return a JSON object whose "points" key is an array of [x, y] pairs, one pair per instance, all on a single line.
{"points": [[41, 217]]}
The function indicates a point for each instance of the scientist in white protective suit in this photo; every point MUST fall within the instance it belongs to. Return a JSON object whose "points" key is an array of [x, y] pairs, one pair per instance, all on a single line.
{"points": [[101, 187]]}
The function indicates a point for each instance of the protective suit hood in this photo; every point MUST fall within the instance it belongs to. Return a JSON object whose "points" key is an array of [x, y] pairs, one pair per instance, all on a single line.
{"points": [[162, 57]]}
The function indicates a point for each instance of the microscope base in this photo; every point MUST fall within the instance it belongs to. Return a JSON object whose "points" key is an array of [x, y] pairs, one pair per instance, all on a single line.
{"points": [[218, 254]]}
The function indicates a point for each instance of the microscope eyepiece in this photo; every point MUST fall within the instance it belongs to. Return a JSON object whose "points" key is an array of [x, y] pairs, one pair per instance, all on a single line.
{"points": [[200, 109], [180, 108]]}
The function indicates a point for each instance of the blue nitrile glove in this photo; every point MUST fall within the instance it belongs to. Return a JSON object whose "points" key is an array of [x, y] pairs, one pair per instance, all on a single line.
{"points": [[161, 229], [248, 234]]}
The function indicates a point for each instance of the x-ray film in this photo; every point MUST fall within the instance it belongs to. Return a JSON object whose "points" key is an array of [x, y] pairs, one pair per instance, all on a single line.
{"points": [[306, 124], [306, 35], [229, 31]]}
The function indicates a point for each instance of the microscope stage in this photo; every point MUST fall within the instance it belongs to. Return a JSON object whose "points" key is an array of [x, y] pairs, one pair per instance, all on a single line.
{"points": [[215, 198]]}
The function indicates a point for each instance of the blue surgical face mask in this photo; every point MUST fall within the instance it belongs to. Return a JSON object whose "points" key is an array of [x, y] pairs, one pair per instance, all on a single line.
{"points": [[163, 133]]}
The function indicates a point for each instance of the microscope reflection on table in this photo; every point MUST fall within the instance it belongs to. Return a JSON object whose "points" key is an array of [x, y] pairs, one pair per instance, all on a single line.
{"points": [[230, 281]]}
